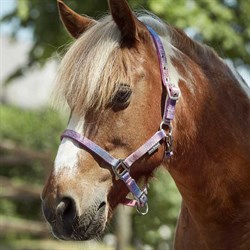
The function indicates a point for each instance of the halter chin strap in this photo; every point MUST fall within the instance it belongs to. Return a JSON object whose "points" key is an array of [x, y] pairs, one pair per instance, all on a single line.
{"points": [[121, 167]]}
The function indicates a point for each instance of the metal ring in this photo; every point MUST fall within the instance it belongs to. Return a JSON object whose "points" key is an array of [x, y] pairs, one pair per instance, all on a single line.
{"points": [[140, 211], [168, 125]]}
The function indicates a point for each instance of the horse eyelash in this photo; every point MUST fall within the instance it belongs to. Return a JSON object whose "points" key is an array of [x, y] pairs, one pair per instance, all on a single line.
{"points": [[122, 95]]}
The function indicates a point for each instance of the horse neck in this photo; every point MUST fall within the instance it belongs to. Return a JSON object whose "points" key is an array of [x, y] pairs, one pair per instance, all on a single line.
{"points": [[212, 158]]}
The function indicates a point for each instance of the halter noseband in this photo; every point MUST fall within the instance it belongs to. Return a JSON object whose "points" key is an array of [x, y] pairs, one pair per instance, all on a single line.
{"points": [[121, 167]]}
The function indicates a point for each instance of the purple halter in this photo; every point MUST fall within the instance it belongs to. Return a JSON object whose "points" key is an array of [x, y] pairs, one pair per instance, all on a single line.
{"points": [[121, 167]]}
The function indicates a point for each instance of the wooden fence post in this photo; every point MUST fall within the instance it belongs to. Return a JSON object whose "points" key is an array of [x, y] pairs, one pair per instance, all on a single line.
{"points": [[123, 227]]}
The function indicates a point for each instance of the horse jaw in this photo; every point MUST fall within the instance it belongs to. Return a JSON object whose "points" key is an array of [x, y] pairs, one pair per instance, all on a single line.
{"points": [[84, 200]]}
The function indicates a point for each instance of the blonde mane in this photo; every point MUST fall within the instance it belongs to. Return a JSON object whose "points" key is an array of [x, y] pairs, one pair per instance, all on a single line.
{"points": [[91, 69], [81, 80], [89, 72]]}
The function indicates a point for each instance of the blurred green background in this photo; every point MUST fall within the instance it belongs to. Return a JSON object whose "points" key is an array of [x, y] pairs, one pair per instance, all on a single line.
{"points": [[29, 135]]}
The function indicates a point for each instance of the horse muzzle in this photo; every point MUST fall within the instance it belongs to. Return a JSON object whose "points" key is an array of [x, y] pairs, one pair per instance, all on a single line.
{"points": [[68, 223]]}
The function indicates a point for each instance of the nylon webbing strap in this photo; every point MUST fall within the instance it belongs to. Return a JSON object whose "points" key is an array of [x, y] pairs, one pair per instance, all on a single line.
{"points": [[85, 142], [146, 147], [172, 90]]}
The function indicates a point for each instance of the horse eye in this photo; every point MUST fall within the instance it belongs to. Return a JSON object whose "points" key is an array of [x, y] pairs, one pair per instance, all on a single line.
{"points": [[122, 95]]}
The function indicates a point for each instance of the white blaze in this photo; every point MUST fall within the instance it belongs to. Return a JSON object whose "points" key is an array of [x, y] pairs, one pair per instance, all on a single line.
{"points": [[67, 154]]}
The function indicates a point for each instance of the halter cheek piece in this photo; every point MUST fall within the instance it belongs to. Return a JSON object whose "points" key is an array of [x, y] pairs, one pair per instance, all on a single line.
{"points": [[121, 167]]}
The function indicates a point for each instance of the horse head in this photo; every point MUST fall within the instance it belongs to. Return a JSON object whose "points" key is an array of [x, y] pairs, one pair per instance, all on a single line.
{"points": [[111, 80]]}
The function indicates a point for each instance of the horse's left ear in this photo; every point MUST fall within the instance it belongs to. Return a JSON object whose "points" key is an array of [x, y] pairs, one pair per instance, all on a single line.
{"points": [[125, 19], [73, 22]]}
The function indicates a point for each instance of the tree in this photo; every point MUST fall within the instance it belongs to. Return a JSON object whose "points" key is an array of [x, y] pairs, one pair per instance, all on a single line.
{"points": [[222, 24]]}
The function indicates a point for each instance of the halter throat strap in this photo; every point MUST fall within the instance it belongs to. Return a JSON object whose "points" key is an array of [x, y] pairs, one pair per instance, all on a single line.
{"points": [[121, 167]]}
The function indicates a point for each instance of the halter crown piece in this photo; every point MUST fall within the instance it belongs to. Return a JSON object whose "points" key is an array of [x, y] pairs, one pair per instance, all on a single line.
{"points": [[121, 167]]}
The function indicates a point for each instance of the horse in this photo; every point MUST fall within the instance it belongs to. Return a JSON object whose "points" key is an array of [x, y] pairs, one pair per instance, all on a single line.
{"points": [[142, 94]]}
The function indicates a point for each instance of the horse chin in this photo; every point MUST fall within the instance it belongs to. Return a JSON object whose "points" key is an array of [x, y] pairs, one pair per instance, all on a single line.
{"points": [[84, 227]]}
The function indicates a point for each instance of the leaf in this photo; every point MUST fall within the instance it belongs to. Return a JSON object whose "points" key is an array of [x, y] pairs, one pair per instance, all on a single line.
{"points": [[23, 9]]}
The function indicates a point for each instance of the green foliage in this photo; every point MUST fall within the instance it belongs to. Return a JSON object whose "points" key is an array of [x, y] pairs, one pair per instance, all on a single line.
{"points": [[7, 207], [38, 130], [222, 24]]}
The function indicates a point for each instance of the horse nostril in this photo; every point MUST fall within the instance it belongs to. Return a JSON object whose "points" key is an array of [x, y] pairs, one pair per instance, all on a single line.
{"points": [[102, 205], [66, 211]]}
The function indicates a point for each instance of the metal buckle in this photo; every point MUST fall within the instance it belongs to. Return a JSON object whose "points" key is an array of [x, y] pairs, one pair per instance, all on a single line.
{"points": [[173, 92], [169, 142], [168, 139], [120, 169]]}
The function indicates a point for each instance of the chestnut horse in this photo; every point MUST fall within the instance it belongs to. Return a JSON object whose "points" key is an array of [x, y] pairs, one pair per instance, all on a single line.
{"points": [[122, 107]]}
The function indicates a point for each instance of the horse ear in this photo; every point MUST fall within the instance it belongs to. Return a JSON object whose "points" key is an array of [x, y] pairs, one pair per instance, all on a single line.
{"points": [[124, 18], [73, 22]]}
